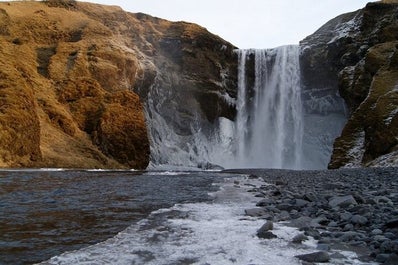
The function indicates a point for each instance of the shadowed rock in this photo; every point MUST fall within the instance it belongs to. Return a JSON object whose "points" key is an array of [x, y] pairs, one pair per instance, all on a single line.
{"points": [[321, 257]]}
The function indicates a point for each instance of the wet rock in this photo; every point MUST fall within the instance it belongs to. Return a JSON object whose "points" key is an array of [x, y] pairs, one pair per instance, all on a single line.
{"points": [[350, 236], [282, 216], [298, 239], [320, 257], [345, 216], [337, 255], [301, 203], [285, 207], [333, 224], [280, 183], [359, 220], [313, 233], [269, 225], [382, 258], [265, 231], [323, 247], [392, 259], [342, 201], [265, 202], [255, 212], [310, 197], [348, 227], [267, 235], [376, 232], [389, 246], [392, 224], [301, 222]]}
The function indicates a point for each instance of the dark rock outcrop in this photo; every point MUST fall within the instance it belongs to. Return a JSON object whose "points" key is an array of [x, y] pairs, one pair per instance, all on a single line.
{"points": [[356, 55], [188, 81]]}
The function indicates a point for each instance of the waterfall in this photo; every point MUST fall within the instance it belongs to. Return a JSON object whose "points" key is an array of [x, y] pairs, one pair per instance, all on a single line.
{"points": [[269, 124], [277, 125]]}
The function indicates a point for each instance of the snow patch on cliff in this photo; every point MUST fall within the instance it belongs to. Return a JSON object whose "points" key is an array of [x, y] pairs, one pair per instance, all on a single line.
{"points": [[394, 111], [344, 29], [357, 150], [387, 160]]}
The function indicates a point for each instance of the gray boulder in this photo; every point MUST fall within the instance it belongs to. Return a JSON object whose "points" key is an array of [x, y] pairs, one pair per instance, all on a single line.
{"points": [[320, 257], [342, 201], [359, 220]]}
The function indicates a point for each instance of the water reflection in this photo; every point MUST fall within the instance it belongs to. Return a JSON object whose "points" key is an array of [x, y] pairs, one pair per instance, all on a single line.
{"points": [[45, 213]]}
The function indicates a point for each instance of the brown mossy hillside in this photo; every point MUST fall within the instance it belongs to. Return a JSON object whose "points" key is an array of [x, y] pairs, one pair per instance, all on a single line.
{"points": [[65, 89], [19, 122]]}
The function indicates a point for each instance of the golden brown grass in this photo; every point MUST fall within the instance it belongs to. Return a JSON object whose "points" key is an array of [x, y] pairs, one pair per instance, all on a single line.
{"points": [[58, 68]]}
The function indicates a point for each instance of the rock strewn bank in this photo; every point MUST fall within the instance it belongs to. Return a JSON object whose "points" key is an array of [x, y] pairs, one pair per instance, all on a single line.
{"points": [[354, 210]]}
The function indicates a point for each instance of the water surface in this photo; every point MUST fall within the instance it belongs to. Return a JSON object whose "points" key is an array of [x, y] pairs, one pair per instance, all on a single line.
{"points": [[45, 213]]}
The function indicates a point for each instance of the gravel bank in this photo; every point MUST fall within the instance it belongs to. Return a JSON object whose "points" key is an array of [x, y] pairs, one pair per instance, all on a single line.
{"points": [[348, 209]]}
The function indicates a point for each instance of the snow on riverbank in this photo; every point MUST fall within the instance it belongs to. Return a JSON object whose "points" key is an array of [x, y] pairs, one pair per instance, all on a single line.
{"points": [[200, 233]]}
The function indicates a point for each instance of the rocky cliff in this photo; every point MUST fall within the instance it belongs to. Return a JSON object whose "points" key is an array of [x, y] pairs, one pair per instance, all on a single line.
{"points": [[357, 55], [73, 73], [188, 81]]}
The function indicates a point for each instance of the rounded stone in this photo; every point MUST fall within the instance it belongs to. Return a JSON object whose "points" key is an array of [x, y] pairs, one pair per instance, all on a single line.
{"points": [[358, 219], [321, 256], [376, 232]]}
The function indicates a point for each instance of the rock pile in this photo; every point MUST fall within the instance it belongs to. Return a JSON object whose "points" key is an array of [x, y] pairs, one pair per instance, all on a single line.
{"points": [[352, 210]]}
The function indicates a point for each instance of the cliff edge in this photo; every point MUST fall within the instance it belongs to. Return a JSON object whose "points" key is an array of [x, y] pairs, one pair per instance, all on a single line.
{"points": [[356, 55], [76, 78]]}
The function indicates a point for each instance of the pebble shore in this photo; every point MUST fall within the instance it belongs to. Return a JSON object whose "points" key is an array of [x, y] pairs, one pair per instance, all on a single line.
{"points": [[347, 209]]}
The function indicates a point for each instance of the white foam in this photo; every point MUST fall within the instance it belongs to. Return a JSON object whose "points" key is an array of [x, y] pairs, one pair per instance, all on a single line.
{"points": [[200, 233], [34, 169]]}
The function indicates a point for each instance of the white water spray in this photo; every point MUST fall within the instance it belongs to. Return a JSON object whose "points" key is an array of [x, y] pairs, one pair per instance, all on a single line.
{"points": [[268, 131], [269, 125]]}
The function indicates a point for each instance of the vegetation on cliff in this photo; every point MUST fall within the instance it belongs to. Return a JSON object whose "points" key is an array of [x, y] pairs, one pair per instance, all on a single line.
{"points": [[357, 54], [75, 77], [65, 89]]}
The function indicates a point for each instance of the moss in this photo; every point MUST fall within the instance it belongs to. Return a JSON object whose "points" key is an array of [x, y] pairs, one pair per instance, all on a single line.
{"points": [[54, 96]]}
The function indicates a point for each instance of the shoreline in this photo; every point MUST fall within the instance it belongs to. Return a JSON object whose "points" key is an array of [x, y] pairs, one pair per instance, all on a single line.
{"points": [[344, 209]]}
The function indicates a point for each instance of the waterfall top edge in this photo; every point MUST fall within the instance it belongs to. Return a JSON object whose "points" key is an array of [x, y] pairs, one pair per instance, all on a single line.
{"points": [[267, 49]]}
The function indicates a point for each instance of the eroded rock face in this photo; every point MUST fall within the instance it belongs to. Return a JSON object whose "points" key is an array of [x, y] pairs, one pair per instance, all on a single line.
{"points": [[70, 76], [355, 54], [189, 76], [66, 97]]}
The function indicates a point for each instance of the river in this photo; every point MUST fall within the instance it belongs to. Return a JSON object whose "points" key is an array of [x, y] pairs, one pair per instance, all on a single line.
{"points": [[132, 217]]}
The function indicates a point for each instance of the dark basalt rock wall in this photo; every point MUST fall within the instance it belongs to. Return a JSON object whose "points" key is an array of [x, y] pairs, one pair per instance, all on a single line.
{"points": [[355, 54], [194, 66]]}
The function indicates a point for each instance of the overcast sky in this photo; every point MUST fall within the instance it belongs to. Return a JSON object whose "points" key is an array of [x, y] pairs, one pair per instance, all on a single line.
{"points": [[248, 23]]}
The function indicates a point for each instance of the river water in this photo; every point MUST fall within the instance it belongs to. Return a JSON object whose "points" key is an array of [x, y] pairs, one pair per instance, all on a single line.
{"points": [[128, 217]]}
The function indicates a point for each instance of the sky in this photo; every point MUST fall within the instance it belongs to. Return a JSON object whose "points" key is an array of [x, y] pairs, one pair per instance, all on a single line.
{"points": [[247, 23]]}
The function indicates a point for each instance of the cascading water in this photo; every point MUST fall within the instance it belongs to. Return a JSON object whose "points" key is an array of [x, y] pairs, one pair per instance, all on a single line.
{"points": [[277, 125], [269, 125]]}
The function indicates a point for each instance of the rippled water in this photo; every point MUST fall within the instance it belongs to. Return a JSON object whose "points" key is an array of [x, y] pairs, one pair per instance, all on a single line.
{"points": [[45, 213], [151, 218]]}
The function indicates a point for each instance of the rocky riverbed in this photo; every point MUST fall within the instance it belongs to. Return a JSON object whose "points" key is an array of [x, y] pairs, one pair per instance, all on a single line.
{"points": [[355, 210]]}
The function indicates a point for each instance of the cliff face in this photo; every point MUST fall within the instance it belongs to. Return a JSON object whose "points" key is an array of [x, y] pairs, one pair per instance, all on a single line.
{"points": [[356, 54], [76, 76], [65, 90], [187, 81]]}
